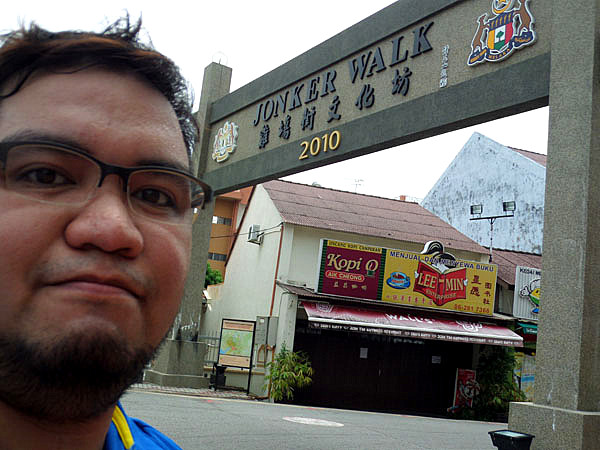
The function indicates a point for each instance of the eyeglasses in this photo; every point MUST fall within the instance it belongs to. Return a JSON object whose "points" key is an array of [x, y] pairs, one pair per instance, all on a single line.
{"points": [[62, 175]]}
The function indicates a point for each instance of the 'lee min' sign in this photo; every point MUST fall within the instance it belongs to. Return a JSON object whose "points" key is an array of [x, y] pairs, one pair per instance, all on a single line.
{"points": [[427, 281]]}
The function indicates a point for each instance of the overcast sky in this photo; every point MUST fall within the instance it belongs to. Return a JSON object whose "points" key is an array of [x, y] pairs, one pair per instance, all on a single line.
{"points": [[255, 37]]}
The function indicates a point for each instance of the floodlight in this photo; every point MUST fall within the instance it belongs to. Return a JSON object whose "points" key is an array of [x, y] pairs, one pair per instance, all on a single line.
{"points": [[476, 209], [509, 206]]}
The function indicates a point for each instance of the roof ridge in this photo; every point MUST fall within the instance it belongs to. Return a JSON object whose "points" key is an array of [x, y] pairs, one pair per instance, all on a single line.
{"points": [[526, 151], [340, 190], [421, 212]]}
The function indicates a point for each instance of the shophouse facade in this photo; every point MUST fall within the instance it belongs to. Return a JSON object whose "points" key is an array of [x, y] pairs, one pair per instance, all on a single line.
{"points": [[378, 365]]}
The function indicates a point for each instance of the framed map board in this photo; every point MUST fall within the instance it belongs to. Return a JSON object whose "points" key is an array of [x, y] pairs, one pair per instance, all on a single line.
{"points": [[237, 343]]}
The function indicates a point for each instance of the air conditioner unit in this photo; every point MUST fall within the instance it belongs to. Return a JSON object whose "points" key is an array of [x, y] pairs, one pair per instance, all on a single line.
{"points": [[254, 234]]}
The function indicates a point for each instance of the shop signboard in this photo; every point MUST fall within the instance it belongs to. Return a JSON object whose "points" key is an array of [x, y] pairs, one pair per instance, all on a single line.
{"points": [[326, 316], [526, 304], [349, 269], [408, 278], [414, 279]]}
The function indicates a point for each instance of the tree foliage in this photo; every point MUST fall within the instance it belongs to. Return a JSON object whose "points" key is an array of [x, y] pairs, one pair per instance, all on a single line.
{"points": [[213, 276], [288, 371], [497, 383]]}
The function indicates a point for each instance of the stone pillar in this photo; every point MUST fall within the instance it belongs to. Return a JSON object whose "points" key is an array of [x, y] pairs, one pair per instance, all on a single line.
{"points": [[565, 413], [180, 360], [215, 84]]}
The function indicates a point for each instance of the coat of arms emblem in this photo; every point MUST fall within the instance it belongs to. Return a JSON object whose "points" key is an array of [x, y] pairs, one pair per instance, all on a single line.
{"points": [[510, 27], [225, 141]]}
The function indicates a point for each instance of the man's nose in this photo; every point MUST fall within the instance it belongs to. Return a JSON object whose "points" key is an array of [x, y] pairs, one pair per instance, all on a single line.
{"points": [[106, 223]]}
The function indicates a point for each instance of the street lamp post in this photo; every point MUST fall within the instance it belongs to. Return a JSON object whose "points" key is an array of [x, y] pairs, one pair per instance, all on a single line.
{"points": [[509, 211]]}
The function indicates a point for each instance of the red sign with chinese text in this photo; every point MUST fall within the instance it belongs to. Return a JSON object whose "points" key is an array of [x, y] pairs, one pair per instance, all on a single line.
{"points": [[351, 270], [441, 287]]}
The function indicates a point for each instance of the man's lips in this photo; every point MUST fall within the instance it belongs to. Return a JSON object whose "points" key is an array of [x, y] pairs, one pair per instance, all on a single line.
{"points": [[103, 286]]}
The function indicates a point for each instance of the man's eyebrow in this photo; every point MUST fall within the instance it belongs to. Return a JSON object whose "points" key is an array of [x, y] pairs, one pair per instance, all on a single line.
{"points": [[44, 136], [165, 164]]}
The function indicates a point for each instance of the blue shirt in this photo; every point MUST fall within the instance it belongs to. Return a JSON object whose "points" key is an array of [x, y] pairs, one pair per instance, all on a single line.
{"points": [[128, 433]]}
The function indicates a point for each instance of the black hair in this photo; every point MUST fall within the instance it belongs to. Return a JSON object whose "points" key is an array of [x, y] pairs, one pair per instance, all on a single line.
{"points": [[118, 47]]}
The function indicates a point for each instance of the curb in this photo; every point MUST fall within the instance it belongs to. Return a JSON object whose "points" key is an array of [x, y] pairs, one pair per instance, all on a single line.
{"points": [[205, 392]]}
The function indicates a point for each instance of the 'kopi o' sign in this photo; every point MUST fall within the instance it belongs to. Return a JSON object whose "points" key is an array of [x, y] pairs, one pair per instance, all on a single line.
{"points": [[351, 270]]}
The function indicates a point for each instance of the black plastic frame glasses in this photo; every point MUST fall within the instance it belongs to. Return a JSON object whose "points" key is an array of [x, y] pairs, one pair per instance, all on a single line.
{"points": [[200, 192]]}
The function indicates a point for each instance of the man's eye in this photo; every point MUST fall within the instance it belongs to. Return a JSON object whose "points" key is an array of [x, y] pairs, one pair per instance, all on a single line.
{"points": [[44, 176], [154, 197]]}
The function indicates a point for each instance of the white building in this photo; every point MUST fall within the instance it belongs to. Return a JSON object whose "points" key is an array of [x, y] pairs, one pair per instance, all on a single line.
{"points": [[488, 173]]}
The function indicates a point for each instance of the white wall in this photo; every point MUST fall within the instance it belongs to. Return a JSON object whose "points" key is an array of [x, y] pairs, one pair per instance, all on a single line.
{"points": [[248, 289], [486, 172]]}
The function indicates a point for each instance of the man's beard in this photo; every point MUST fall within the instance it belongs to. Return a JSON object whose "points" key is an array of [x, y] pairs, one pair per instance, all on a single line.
{"points": [[73, 379]]}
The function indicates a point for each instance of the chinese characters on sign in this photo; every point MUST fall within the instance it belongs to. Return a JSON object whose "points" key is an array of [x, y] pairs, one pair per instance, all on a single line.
{"points": [[427, 281], [444, 70], [325, 91], [408, 278], [350, 269], [360, 69]]}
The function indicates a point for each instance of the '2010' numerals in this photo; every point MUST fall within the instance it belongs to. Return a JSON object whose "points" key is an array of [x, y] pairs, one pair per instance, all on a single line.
{"points": [[327, 142]]}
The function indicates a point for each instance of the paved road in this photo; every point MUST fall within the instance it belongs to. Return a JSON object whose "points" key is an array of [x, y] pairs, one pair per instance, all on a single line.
{"points": [[211, 423]]}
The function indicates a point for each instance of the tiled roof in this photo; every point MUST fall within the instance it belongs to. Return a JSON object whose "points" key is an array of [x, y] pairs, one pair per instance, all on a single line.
{"points": [[537, 157], [508, 261], [366, 215]]}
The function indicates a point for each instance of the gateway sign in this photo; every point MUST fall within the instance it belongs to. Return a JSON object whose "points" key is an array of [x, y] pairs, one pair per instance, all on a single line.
{"points": [[398, 76]]}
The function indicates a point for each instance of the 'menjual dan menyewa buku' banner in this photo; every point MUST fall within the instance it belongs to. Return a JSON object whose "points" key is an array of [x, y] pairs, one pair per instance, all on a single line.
{"points": [[407, 278]]}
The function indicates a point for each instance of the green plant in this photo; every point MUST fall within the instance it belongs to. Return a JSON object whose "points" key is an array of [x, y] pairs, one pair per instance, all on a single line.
{"points": [[288, 371], [498, 387], [213, 276]]}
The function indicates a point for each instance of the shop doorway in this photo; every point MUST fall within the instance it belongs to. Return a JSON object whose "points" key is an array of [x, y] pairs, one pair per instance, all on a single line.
{"points": [[380, 373]]}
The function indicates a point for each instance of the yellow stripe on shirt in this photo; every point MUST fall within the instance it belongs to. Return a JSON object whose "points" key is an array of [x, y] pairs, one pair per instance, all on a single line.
{"points": [[118, 418]]}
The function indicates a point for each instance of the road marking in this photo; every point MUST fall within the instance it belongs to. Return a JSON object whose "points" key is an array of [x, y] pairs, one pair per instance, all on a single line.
{"points": [[311, 421]]}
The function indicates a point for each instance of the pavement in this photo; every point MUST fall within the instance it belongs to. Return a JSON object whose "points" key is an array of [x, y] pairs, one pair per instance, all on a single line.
{"points": [[196, 423], [205, 392]]}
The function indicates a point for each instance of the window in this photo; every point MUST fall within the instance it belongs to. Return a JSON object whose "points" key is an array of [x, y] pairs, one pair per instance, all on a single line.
{"points": [[217, 256], [221, 220]]}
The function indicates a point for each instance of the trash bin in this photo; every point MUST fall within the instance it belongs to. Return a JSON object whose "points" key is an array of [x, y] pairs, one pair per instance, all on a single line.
{"points": [[511, 440], [217, 378]]}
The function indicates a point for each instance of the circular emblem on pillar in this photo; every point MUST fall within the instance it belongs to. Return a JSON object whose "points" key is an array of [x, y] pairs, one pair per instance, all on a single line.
{"points": [[225, 141]]}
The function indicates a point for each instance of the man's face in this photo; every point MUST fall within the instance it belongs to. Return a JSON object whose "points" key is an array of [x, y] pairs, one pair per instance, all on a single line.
{"points": [[93, 273]]}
